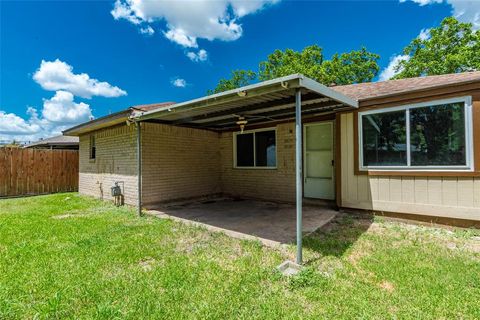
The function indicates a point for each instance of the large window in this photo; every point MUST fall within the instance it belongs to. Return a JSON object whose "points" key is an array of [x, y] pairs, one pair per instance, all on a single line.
{"points": [[427, 136], [255, 149]]}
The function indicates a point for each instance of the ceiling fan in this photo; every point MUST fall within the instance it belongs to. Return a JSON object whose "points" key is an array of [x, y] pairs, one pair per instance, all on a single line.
{"points": [[242, 120]]}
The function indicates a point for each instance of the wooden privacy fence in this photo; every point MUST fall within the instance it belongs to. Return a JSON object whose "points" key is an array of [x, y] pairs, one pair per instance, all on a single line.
{"points": [[37, 171]]}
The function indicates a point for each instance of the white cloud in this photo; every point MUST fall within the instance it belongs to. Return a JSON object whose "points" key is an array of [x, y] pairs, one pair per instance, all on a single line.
{"points": [[11, 124], [179, 83], [179, 36], [147, 30], [58, 75], [463, 10], [201, 55], [122, 10], [59, 113], [424, 34], [423, 2], [189, 20], [390, 71], [62, 109]]}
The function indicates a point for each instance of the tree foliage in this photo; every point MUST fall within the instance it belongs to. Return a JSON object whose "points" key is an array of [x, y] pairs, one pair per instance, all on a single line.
{"points": [[451, 47], [346, 68], [239, 78]]}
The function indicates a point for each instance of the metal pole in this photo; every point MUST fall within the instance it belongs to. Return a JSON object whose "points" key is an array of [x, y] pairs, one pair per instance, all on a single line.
{"points": [[298, 169], [139, 166]]}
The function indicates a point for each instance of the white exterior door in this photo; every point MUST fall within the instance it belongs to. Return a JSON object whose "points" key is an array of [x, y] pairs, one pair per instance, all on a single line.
{"points": [[318, 161]]}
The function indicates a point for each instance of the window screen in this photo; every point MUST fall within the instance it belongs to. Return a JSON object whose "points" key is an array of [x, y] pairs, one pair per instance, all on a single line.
{"points": [[245, 150], [256, 149], [265, 155], [436, 136], [384, 139], [93, 149]]}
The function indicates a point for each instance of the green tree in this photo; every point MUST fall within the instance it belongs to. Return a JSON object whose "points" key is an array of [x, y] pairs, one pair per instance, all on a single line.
{"points": [[352, 67], [346, 68], [239, 78], [282, 63], [451, 47]]}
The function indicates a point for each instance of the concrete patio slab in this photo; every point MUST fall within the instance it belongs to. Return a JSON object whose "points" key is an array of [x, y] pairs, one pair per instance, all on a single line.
{"points": [[269, 222]]}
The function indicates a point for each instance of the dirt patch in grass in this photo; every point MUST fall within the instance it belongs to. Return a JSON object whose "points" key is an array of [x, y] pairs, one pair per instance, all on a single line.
{"points": [[79, 213], [360, 251], [196, 240], [69, 215], [387, 286], [147, 263]]}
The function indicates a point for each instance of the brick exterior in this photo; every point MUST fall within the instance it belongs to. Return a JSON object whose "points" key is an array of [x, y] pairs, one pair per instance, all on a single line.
{"points": [[179, 163], [182, 163], [115, 161], [273, 184]]}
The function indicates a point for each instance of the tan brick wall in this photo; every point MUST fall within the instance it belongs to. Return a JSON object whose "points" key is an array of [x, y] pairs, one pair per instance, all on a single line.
{"points": [[115, 161], [179, 163], [182, 163], [272, 184]]}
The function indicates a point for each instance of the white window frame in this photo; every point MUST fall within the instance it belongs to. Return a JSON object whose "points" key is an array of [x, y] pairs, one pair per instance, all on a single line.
{"points": [[467, 100], [235, 134]]}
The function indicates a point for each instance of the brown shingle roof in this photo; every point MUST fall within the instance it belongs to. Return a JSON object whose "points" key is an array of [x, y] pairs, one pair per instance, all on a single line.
{"points": [[57, 140], [370, 90]]}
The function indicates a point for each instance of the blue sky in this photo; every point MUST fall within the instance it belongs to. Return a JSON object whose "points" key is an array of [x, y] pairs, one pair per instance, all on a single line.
{"points": [[97, 61]]}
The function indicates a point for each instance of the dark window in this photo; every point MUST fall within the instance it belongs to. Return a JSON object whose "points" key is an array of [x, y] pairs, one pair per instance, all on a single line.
{"points": [[245, 150], [384, 139], [92, 147], [256, 149], [437, 135], [265, 154]]}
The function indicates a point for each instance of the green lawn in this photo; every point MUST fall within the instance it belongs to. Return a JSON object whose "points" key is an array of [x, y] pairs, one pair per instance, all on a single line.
{"points": [[66, 256]]}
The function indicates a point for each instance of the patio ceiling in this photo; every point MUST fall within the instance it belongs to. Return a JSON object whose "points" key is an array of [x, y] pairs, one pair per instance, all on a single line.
{"points": [[267, 101]]}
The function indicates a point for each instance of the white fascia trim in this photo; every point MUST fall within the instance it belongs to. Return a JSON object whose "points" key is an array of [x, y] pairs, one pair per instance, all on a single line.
{"points": [[226, 93], [321, 89]]}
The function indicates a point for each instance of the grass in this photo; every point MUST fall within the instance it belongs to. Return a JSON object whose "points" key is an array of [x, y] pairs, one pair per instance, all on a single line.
{"points": [[66, 256]]}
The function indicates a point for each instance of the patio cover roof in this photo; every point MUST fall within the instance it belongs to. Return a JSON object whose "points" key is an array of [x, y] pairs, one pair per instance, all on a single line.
{"points": [[272, 100]]}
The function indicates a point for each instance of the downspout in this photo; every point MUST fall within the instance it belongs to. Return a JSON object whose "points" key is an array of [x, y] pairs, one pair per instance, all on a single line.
{"points": [[298, 170], [139, 165]]}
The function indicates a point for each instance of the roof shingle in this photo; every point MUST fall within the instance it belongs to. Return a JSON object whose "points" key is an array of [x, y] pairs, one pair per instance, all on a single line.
{"points": [[370, 90], [57, 140]]}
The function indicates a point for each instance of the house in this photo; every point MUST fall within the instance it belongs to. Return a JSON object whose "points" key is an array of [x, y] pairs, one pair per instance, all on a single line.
{"points": [[57, 142], [409, 146]]}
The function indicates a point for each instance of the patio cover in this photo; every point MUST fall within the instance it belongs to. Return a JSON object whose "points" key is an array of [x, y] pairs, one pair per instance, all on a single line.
{"points": [[289, 97], [272, 100]]}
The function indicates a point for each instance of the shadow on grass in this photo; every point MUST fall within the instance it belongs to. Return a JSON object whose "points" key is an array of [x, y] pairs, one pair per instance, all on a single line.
{"points": [[334, 238]]}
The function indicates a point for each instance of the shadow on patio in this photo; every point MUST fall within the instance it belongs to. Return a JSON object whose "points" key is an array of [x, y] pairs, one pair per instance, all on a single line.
{"points": [[270, 222]]}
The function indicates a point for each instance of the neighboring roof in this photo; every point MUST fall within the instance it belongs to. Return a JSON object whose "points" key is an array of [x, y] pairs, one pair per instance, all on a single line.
{"points": [[372, 90], [54, 141], [261, 102]]}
